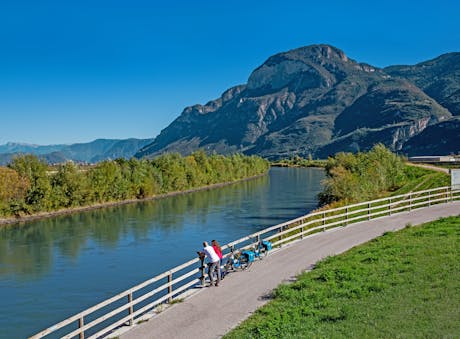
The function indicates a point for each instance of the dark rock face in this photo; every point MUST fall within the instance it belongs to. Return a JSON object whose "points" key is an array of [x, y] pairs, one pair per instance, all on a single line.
{"points": [[446, 134], [312, 100]]}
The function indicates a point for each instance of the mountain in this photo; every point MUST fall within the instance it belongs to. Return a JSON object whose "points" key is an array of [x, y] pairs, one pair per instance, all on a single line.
{"points": [[315, 100], [446, 134], [439, 78], [91, 152], [14, 147]]}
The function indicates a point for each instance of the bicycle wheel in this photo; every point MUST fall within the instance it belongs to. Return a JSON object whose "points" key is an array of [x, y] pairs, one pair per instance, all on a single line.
{"points": [[244, 263]]}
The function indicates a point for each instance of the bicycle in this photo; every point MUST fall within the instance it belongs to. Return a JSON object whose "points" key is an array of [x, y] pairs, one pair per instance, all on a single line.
{"points": [[262, 249], [242, 260], [238, 261]]}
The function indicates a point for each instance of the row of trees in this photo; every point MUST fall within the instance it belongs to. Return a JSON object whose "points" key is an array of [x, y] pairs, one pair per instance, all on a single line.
{"points": [[362, 176], [298, 161], [29, 186]]}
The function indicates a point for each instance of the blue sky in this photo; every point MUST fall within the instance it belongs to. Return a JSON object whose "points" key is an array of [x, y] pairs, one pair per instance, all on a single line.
{"points": [[74, 71]]}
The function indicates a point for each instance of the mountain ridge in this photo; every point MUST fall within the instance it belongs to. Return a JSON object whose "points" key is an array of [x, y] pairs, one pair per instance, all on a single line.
{"points": [[89, 152], [313, 100]]}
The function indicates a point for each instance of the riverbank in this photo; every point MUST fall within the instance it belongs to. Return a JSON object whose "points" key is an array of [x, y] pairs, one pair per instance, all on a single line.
{"points": [[66, 211]]}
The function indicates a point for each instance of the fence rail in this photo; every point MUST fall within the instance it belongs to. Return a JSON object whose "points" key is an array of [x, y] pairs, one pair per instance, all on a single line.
{"points": [[163, 288]]}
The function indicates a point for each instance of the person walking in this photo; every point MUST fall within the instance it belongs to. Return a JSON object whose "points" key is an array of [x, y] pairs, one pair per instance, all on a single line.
{"points": [[213, 261]]}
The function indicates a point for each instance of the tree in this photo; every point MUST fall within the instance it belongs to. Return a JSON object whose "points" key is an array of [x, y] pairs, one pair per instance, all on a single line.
{"points": [[13, 190], [68, 186], [35, 171]]}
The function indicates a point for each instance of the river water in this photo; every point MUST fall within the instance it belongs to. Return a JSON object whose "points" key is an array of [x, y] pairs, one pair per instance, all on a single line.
{"points": [[53, 268]]}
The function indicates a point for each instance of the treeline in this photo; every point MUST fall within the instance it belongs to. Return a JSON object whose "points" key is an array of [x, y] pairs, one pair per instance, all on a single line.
{"points": [[362, 176], [29, 186], [298, 161]]}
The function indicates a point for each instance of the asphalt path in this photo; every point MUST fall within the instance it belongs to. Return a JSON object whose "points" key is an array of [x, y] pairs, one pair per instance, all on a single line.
{"points": [[212, 311]]}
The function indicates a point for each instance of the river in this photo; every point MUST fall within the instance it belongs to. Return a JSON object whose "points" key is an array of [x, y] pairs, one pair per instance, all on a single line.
{"points": [[53, 268]]}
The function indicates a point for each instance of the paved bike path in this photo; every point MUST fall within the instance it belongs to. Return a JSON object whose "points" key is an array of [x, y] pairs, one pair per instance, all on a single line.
{"points": [[213, 311]]}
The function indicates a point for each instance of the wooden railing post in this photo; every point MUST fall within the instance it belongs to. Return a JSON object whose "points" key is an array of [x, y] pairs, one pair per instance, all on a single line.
{"points": [[346, 215], [410, 201], [389, 206], [81, 323], [324, 221], [368, 211], [429, 198], [170, 287], [202, 279], [131, 309]]}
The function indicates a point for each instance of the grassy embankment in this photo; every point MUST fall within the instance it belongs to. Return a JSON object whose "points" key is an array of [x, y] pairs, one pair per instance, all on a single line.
{"points": [[418, 179], [403, 284], [379, 173]]}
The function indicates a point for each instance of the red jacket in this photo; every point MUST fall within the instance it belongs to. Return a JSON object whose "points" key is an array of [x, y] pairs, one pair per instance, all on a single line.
{"points": [[218, 251]]}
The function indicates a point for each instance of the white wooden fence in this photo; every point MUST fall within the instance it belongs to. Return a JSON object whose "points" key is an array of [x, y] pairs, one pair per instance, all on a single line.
{"points": [[125, 308]]}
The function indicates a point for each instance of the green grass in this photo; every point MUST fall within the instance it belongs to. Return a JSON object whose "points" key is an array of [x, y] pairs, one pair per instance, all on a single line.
{"points": [[418, 179], [402, 285]]}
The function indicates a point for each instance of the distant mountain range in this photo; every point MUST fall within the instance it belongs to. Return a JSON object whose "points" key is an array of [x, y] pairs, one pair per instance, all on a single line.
{"points": [[91, 152], [315, 100]]}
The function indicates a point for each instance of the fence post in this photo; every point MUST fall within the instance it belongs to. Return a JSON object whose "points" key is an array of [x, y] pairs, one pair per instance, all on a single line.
{"points": [[170, 287], [368, 211], [447, 194], [429, 199], [389, 206], [410, 201], [81, 323], [131, 310], [202, 279], [281, 230], [346, 215], [324, 221]]}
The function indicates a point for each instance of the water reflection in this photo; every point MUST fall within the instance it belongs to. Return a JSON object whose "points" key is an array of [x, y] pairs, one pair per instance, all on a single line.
{"points": [[53, 268], [26, 250]]}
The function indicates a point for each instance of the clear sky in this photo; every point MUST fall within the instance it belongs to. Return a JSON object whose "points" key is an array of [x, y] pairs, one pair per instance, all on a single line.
{"points": [[73, 71]]}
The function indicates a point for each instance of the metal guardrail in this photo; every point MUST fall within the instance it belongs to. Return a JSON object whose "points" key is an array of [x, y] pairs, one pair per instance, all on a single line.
{"points": [[100, 320]]}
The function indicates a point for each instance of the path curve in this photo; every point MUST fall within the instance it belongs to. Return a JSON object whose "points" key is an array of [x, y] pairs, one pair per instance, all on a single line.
{"points": [[213, 311], [430, 167]]}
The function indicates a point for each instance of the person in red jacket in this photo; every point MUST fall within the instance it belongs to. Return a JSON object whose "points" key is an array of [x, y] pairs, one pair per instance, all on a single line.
{"points": [[218, 250]]}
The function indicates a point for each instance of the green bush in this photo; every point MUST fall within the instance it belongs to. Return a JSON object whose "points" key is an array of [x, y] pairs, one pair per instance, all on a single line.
{"points": [[362, 176]]}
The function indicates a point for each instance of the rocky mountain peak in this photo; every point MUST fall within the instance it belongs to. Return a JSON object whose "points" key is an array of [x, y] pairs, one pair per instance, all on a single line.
{"points": [[315, 100], [302, 68]]}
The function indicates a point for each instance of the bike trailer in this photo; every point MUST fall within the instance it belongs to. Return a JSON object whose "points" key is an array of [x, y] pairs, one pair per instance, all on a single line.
{"points": [[250, 255], [267, 245]]}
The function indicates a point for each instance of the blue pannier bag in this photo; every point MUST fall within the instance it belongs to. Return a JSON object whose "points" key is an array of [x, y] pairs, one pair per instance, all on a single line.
{"points": [[250, 255], [267, 245]]}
